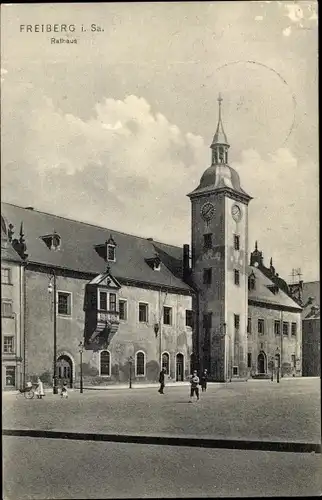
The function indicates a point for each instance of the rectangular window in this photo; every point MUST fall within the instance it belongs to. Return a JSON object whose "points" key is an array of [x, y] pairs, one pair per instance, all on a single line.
{"points": [[249, 325], [167, 315], [293, 361], [285, 328], [207, 276], [10, 376], [236, 277], [5, 276], [261, 326], [103, 301], [143, 312], [236, 321], [293, 329], [207, 320], [249, 360], [111, 252], [207, 241], [123, 309], [235, 370], [6, 308], [8, 344], [64, 303], [236, 242], [189, 318], [277, 327], [112, 302]]}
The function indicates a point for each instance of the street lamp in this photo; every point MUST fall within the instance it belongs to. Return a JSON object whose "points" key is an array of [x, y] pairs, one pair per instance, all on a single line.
{"points": [[130, 371], [52, 288], [81, 349], [277, 358]]}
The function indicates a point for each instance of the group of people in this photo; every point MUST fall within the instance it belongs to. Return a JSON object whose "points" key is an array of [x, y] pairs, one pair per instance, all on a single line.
{"points": [[39, 389], [195, 382]]}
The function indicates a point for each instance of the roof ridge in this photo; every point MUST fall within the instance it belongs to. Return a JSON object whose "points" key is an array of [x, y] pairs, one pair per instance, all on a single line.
{"points": [[89, 224]]}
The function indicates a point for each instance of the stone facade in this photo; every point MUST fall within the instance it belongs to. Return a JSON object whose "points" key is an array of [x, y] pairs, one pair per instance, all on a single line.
{"points": [[12, 323], [272, 345], [131, 337]]}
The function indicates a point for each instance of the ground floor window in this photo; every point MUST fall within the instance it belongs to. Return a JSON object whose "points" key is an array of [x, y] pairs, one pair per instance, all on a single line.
{"points": [[10, 376], [166, 363], [105, 363], [249, 360], [140, 364]]}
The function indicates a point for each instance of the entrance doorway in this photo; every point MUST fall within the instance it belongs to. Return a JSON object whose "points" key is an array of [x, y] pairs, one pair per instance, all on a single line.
{"points": [[179, 367], [65, 369], [261, 363]]}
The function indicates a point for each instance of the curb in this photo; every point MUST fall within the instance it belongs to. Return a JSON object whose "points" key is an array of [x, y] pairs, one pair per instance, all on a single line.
{"points": [[230, 444]]}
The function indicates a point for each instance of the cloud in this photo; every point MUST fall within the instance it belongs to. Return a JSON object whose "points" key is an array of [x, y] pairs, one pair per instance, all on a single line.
{"points": [[126, 167]]}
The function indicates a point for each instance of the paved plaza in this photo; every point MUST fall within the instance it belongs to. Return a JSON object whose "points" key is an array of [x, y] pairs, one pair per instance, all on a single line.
{"points": [[253, 410]]}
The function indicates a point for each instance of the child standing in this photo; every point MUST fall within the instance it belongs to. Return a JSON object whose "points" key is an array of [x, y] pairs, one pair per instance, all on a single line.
{"points": [[39, 389], [194, 382], [64, 392]]}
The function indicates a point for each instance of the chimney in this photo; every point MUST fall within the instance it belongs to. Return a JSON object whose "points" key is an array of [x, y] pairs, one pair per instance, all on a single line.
{"points": [[186, 262]]}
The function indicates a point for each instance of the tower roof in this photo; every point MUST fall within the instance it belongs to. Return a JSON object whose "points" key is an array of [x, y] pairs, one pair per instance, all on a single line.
{"points": [[220, 136]]}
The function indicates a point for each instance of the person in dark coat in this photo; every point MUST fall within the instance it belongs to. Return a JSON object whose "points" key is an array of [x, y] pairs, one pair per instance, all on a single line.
{"points": [[204, 380], [162, 381]]}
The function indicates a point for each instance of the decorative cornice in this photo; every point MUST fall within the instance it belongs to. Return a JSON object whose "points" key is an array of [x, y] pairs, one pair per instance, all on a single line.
{"points": [[230, 193]]}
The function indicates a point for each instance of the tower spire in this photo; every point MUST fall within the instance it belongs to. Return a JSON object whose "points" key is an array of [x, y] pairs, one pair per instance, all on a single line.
{"points": [[219, 143]]}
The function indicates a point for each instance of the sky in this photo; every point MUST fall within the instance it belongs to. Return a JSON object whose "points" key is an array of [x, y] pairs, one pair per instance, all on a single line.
{"points": [[115, 129]]}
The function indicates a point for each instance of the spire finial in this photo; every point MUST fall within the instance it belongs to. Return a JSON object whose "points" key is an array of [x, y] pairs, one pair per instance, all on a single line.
{"points": [[271, 262], [256, 247]]}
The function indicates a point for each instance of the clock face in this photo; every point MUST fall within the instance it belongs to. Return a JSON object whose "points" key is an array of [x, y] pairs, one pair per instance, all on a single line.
{"points": [[207, 211], [236, 213]]}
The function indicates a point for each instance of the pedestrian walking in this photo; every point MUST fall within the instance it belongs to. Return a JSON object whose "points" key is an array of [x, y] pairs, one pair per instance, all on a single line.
{"points": [[204, 380], [194, 389], [64, 391], [162, 381], [39, 391]]}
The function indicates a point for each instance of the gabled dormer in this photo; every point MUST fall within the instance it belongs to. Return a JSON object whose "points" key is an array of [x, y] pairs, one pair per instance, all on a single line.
{"points": [[107, 250], [52, 241], [273, 288], [154, 262]]}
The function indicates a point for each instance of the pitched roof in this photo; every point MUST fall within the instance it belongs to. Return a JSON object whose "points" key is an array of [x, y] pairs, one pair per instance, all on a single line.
{"points": [[262, 292], [77, 251]]}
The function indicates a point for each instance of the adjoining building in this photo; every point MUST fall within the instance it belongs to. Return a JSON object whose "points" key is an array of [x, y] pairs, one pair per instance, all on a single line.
{"points": [[12, 309], [308, 297], [138, 304]]}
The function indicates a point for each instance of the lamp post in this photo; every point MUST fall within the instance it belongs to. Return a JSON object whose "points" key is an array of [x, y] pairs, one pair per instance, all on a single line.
{"points": [[81, 349], [130, 371], [278, 366], [52, 288]]}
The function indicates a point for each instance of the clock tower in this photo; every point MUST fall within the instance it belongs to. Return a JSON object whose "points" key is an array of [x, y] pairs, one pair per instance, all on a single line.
{"points": [[219, 265]]}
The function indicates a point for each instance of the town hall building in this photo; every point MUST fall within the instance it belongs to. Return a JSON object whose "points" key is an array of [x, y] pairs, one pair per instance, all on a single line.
{"points": [[129, 305]]}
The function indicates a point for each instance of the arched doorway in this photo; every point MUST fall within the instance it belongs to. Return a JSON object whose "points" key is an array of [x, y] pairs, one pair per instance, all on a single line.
{"points": [[65, 369], [261, 363], [179, 367]]}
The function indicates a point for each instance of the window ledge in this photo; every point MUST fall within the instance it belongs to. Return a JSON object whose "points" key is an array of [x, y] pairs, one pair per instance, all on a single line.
{"points": [[10, 284], [64, 315]]}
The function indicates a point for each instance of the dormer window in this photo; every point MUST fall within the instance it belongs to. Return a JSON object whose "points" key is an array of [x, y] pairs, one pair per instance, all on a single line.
{"points": [[111, 246], [52, 241], [157, 264], [154, 263], [110, 252]]}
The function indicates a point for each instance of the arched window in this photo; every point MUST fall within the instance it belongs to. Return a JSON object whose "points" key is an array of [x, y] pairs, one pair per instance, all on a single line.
{"points": [[166, 363], [140, 364], [105, 364]]}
